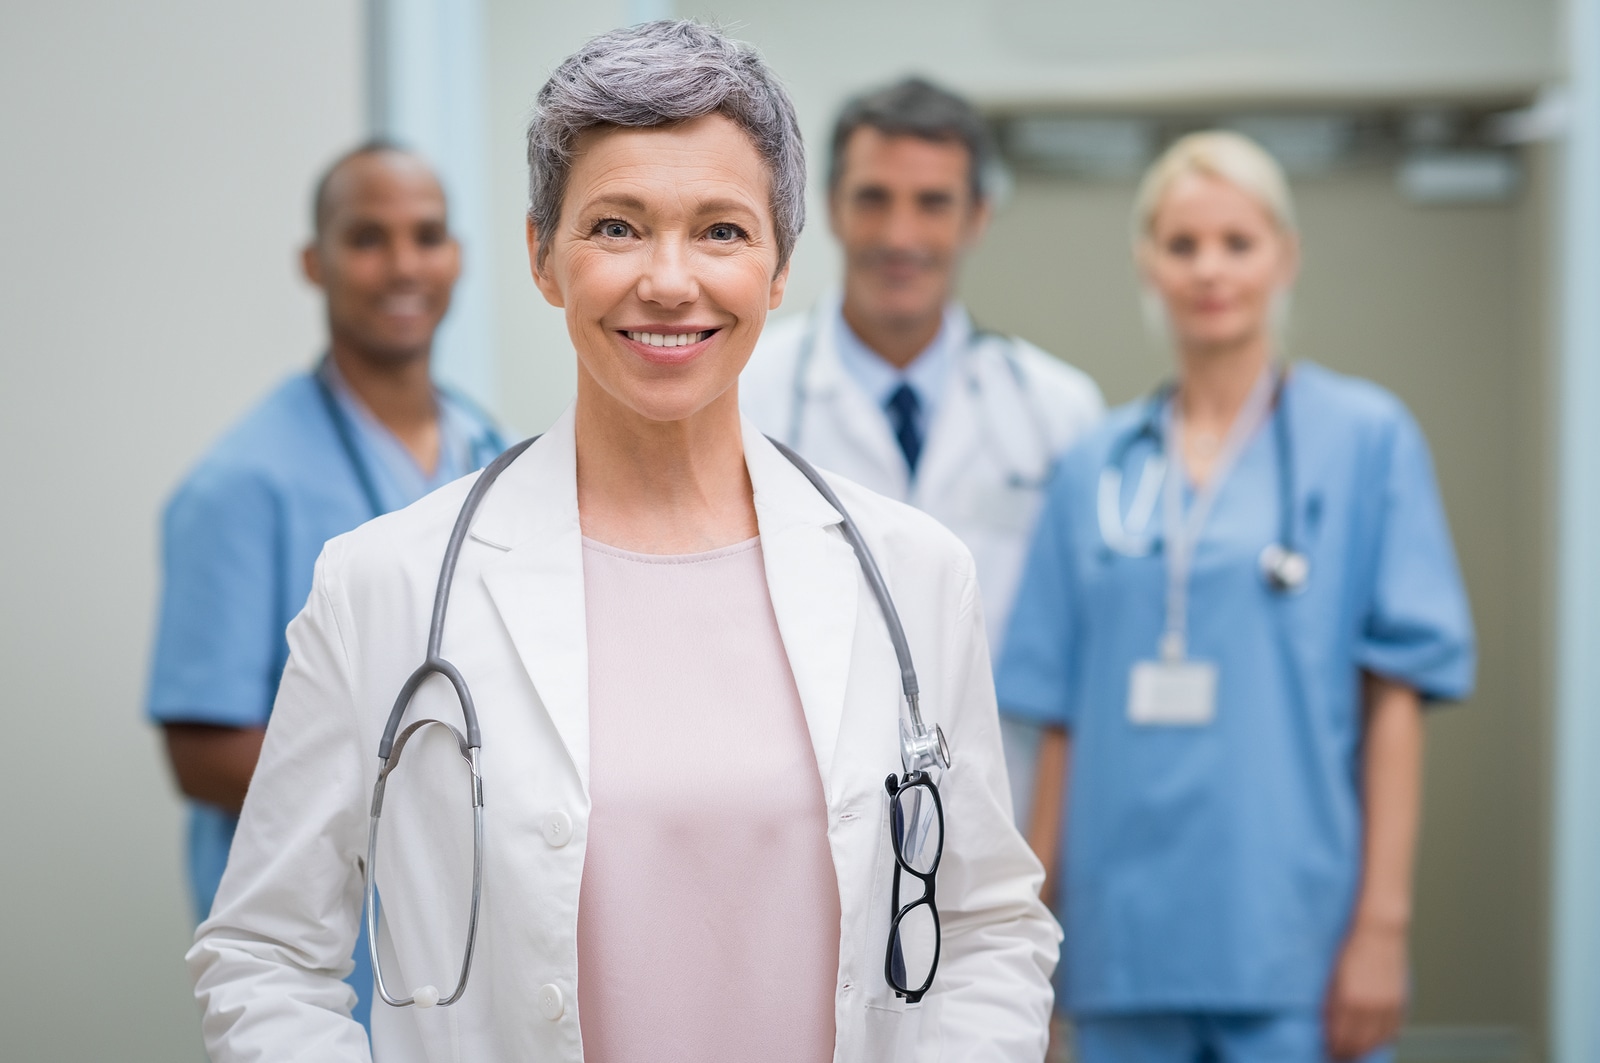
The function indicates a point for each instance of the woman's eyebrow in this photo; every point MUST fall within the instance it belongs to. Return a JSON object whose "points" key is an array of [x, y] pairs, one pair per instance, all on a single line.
{"points": [[723, 206], [620, 200]]}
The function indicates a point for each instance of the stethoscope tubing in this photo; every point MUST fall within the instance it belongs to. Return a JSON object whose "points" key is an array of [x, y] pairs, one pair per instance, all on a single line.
{"points": [[489, 440], [391, 745], [1118, 538]]}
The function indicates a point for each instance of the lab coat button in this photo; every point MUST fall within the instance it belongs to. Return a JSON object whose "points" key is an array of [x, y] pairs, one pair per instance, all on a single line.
{"points": [[551, 1003], [558, 828]]}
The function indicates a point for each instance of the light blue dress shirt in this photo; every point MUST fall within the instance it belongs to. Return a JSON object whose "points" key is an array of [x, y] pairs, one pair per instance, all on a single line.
{"points": [[240, 538], [1213, 868], [927, 374]]}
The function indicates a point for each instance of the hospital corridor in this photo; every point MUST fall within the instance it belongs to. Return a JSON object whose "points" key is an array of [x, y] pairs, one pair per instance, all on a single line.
{"points": [[1031, 530]]}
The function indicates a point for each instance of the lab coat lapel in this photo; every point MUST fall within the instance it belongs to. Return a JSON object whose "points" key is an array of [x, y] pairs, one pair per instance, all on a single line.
{"points": [[947, 454], [537, 586], [813, 580]]}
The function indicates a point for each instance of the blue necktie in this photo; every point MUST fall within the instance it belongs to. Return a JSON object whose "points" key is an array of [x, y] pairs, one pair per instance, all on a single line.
{"points": [[904, 410]]}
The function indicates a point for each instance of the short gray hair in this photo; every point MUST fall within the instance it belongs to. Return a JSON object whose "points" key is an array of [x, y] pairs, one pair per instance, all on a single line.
{"points": [[661, 73]]}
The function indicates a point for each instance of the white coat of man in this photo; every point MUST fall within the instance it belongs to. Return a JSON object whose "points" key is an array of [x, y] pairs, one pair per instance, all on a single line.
{"points": [[889, 382]]}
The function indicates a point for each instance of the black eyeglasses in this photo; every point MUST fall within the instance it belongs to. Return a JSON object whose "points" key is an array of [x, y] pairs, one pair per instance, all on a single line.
{"points": [[916, 827]]}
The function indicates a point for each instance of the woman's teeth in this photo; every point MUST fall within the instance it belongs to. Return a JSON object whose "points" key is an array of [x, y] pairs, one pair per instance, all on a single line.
{"points": [[671, 339]]}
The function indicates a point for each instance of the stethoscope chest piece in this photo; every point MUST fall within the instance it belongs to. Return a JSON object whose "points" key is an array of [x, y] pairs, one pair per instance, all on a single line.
{"points": [[922, 749], [1285, 570]]}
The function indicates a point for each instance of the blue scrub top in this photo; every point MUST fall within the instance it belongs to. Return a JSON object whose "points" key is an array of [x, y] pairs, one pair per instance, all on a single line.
{"points": [[240, 538], [1214, 868]]}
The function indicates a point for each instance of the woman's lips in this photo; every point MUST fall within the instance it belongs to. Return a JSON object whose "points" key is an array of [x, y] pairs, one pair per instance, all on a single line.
{"points": [[674, 347]]}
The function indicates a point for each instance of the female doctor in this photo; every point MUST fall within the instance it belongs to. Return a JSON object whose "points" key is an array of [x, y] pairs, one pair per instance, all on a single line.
{"points": [[688, 693], [1240, 593]]}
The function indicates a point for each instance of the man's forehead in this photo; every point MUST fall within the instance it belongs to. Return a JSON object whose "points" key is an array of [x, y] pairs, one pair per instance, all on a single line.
{"points": [[375, 180], [872, 152]]}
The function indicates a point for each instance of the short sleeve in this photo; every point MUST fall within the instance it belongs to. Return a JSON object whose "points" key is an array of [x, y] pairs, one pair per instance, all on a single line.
{"points": [[220, 638], [1418, 627], [1037, 667]]}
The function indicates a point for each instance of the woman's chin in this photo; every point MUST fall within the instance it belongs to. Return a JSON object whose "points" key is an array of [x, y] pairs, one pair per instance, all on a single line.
{"points": [[1217, 341], [666, 402]]}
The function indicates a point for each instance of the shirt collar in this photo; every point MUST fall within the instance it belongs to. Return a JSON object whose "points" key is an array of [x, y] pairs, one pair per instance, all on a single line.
{"points": [[927, 373]]}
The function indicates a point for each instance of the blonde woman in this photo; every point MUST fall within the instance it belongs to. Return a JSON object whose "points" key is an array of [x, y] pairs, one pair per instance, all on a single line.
{"points": [[1240, 594]]}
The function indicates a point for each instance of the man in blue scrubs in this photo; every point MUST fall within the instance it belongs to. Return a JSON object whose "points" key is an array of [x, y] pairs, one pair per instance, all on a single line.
{"points": [[364, 432]]}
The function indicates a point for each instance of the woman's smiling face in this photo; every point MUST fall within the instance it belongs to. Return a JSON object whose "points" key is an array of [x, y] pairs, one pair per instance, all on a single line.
{"points": [[665, 260]]}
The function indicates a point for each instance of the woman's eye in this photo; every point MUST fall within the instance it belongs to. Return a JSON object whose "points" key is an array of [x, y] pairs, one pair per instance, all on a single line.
{"points": [[1240, 244], [614, 229], [724, 233], [1180, 245]]}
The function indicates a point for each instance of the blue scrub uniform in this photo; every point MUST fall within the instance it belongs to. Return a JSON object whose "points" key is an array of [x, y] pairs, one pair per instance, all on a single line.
{"points": [[239, 541], [1212, 869]]}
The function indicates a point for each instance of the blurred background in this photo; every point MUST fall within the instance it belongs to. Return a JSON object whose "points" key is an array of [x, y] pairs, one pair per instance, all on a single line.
{"points": [[155, 178]]}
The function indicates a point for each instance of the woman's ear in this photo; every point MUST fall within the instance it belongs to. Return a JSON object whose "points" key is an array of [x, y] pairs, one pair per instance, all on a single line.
{"points": [[542, 277], [780, 281]]}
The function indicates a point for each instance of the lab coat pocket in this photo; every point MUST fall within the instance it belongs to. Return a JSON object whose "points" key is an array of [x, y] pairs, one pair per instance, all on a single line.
{"points": [[892, 1029], [1002, 505], [435, 1031], [902, 1032]]}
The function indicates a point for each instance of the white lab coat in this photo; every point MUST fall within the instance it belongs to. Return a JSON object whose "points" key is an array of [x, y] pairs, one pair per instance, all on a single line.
{"points": [[267, 963], [986, 434]]}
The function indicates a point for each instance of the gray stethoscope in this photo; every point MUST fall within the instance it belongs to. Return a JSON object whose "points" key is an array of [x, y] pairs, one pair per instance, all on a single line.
{"points": [[1019, 478], [921, 749], [1284, 567]]}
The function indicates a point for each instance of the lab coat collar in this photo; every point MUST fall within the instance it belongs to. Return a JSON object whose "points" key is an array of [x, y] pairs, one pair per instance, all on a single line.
{"points": [[825, 373], [813, 580], [537, 585], [831, 392]]}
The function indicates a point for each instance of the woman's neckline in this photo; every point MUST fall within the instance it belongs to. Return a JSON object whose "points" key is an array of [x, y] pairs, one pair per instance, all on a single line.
{"points": [[715, 554]]}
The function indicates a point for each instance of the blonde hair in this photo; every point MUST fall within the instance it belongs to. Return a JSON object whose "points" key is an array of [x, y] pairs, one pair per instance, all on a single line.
{"points": [[1219, 153]]}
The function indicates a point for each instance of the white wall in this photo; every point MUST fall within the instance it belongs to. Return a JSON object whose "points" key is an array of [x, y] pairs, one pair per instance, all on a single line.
{"points": [[155, 174], [1575, 928]]}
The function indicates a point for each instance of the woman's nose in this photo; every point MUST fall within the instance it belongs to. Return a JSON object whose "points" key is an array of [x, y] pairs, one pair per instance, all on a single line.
{"points": [[669, 278]]}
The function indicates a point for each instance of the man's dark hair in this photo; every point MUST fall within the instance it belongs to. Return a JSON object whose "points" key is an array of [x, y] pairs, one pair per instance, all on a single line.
{"points": [[321, 208], [916, 107]]}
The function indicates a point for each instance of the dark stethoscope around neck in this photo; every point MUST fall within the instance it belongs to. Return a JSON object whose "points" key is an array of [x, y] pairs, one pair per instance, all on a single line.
{"points": [[1285, 568], [482, 448]]}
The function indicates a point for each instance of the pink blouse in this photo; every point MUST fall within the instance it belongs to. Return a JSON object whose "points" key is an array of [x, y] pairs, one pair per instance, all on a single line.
{"points": [[708, 922]]}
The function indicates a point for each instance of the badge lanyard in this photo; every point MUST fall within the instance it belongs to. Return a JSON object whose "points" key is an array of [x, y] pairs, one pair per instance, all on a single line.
{"points": [[1183, 530]]}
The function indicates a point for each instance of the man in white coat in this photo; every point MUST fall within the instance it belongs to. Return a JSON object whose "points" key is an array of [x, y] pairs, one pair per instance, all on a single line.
{"points": [[889, 382]]}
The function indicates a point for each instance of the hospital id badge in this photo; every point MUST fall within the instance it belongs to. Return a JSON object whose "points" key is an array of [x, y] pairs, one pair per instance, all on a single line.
{"points": [[1172, 693]]}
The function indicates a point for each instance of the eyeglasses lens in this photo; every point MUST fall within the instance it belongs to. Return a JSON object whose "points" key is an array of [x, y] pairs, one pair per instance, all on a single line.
{"points": [[916, 945], [921, 835]]}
